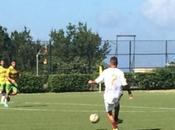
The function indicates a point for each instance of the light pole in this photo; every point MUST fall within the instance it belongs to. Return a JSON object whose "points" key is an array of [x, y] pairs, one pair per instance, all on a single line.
{"points": [[37, 63], [42, 51], [50, 57]]}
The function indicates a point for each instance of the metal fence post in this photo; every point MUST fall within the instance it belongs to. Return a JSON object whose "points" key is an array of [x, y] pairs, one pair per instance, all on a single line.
{"points": [[166, 52], [116, 49], [130, 62], [134, 52]]}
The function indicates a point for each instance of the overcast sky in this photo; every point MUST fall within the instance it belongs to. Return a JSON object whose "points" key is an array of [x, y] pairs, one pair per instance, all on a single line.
{"points": [[148, 19]]}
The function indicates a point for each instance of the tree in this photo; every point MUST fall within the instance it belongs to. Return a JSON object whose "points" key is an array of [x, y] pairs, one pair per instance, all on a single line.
{"points": [[25, 49], [77, 49], [6, 48]]}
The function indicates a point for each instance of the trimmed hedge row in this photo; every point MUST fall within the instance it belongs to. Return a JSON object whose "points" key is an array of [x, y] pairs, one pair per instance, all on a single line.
{"points": [[159, 79], [68, 82], [29, 83]]}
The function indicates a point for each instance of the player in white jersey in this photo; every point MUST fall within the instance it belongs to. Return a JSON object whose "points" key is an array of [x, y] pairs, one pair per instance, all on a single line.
{"points": [[114, 79]]}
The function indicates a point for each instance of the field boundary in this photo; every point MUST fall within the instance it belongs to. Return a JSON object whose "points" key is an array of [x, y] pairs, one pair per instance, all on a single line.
{"points": [[78, 111], [139, 109]]}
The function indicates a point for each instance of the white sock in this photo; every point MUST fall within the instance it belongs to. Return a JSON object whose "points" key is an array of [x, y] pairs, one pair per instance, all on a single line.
{"points": [[2, 98], [5, 100], [5, 103]]}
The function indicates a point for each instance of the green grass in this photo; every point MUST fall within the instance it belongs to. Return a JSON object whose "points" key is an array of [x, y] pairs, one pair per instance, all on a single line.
{"points": [[70, 111]]}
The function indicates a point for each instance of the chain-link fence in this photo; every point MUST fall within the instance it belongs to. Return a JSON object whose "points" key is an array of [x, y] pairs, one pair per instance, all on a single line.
{"points": [[134, 54]]}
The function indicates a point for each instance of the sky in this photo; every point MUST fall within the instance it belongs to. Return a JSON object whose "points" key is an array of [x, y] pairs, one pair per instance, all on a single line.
{"points": [[148, 19]]}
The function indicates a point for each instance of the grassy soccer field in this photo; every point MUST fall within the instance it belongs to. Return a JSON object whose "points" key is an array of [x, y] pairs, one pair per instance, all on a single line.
{"points": [[70, 111]]}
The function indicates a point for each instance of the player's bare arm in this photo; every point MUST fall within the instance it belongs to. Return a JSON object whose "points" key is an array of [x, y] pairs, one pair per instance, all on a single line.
{"points": [[92, 82], [128, 88], [12, 80]]}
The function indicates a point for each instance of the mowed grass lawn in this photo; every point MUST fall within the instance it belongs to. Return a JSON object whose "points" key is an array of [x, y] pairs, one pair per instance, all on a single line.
{"points": [[70, 111]]}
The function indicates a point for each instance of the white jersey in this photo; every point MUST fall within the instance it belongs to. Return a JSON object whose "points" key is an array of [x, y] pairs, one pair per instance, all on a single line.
{"points": [[114, 79]]}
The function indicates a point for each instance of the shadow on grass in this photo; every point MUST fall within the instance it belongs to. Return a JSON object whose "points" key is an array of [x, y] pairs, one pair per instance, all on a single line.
{"points": [[30, 106], [120, 121]]}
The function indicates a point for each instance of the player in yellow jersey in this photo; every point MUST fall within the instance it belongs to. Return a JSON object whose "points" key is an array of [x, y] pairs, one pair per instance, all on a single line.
{"points": [[11, 85], [3, 79]]}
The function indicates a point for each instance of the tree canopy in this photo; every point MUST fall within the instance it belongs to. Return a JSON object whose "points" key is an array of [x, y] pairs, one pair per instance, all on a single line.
{"points": [[75, 49]]}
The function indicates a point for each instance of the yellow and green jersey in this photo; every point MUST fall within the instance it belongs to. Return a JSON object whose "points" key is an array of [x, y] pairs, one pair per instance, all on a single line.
{"points": [[12, 72], [3, 75]]}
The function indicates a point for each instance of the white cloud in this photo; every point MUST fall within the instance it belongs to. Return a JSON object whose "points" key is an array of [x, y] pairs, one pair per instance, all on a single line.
{"points": [[161, 12]]}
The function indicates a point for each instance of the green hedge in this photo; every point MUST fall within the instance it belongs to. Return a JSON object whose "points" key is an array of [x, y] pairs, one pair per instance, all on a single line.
{"points": [[68, 82], [158, 79], [30, 83]]}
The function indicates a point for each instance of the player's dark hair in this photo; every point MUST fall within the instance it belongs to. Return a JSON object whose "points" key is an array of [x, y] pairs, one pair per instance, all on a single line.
{"points": [[13, 60], [114, 60]]}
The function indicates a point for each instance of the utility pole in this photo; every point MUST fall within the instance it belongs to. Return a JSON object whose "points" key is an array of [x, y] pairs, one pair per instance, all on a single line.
{"points": [[37, 63], [50, 57]]}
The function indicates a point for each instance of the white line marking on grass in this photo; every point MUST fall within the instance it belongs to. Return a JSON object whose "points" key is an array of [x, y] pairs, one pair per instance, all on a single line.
{"points": [[64, 104], [49, 110], [144, 107], [80, 104], [23, 109], [73, 111]]}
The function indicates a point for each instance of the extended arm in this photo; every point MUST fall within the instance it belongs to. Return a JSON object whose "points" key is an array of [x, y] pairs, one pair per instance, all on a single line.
{"points": [[126, 86], [92, 82], [98, 80]]}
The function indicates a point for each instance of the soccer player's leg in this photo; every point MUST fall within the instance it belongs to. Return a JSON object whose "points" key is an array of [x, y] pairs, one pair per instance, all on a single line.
{"points": [[109, 108], [112, 120], [116, 112], [14, 90], [11, 91], [2, 91], [8, 91], [117, 109], [1, 88]]}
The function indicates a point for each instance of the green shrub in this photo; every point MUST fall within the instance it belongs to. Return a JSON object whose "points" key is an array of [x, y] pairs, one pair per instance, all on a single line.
{"points": [[163, 78], [29, 83], [68, 82]]}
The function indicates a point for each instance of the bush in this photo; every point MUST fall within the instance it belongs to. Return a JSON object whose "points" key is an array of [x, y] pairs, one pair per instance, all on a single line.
{"points": [[160, 79], [29, 83], [68, 82]]}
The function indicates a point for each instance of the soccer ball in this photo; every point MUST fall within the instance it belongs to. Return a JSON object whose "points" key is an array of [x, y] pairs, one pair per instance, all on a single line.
{"points": [[94, 118]]}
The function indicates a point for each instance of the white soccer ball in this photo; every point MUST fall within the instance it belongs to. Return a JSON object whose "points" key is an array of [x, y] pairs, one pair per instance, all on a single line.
{"points": [[94, 118]]}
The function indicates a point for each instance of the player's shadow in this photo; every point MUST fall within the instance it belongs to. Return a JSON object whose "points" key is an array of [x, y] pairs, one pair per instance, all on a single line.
{"points": [[36, 105], [119, 121]]}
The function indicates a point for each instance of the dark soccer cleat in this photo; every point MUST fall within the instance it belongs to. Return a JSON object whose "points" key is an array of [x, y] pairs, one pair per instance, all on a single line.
{"points": [[8, 99]]}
